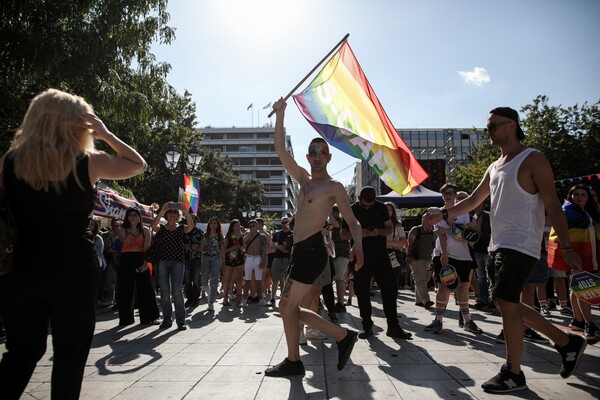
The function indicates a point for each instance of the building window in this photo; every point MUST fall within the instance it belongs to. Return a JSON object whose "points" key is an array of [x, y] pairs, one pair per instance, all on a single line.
{"points": [[265, 147], [247, 135], [215, 135], [246, 161], [233, 135], [264, 135], [262, 174], [262, 161], [232, 148], [246, 149]]}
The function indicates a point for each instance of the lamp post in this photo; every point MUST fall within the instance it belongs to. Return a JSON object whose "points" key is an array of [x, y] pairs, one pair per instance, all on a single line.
{"points": [[173, 154], [251, 213]]}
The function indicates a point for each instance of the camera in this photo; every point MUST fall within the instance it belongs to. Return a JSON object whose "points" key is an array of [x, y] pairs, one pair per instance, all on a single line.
{"points": [[173, 205]]}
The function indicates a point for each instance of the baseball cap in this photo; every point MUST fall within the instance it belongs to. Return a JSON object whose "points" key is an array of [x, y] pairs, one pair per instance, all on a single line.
{"points": [[509, 113]]}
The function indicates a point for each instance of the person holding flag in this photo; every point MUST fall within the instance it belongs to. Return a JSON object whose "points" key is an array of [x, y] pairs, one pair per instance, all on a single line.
{"points": [[318, 193]]}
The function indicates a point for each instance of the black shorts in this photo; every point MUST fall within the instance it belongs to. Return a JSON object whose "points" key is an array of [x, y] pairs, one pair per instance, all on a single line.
{"points": [[308, 259], [463, 268], [509, 270]]}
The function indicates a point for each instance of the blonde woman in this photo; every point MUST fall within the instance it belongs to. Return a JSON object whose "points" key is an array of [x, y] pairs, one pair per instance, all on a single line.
{"points": [[49, 174]]}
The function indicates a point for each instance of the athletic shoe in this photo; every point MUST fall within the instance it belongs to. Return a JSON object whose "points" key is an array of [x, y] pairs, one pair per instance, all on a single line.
{"points": [[302, 338], [480, 305], [544, 311], [286, 368], [591, 331], [211, 307], [429, 304], [345, 347], [181, 327], [577, 325], [165, 325], [436, 327], [398, 332], [272, 303], [333, 317], [500, 337], [566, 311], [471, 326], [571, 354], [339, 307], [461, 320], [505, 382], [315, 334], [365, 333], [532, 336]]}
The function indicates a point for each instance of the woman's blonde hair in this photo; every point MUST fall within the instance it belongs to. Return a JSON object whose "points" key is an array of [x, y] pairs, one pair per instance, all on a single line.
{"points": [[50, 139]]}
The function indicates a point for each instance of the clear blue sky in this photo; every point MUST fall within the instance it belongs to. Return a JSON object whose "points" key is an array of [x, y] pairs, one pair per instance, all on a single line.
{"points": [[433, 64]]}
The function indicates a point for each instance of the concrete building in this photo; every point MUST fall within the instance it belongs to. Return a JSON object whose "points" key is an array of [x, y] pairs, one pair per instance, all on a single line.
{"points": [[253, 155], [438, 150]]}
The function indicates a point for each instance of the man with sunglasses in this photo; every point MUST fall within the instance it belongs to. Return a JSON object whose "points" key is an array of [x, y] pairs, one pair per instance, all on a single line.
{"points": [[375, 220], [521, 186]]}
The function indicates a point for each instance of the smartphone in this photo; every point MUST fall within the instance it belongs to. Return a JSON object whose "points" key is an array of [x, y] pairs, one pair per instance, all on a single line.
{"points": [[173, 205]]}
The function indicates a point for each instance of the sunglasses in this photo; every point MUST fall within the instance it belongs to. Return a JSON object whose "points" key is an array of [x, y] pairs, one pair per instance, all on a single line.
{"points": [[494, 125]]}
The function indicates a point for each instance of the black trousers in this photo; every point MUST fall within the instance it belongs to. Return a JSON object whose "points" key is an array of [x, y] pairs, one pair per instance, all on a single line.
{"points": [[129, 281], [376, 264], [60, 294]]}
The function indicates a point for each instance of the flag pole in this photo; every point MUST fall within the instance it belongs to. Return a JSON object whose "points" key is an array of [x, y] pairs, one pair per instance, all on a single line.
{"points": [[312, 70]]}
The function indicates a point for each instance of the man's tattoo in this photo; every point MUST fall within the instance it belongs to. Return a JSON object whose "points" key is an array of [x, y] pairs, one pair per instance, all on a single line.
{"points": [[288, 288]]}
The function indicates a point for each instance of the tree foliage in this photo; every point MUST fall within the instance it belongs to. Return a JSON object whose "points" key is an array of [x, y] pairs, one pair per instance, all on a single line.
{"points": [[569, 137], [100, 50]]}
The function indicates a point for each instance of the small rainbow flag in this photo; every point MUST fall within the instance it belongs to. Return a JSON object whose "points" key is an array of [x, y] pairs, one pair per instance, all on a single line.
{"points": [[191, 192], [342, 106]]}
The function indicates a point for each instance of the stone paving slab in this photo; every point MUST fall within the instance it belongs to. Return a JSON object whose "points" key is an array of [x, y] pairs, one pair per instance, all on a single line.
{"points": [[223, 355]]}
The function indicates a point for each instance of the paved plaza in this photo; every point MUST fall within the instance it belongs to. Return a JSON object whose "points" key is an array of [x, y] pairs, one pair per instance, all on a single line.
{"points": [[223, 355]]}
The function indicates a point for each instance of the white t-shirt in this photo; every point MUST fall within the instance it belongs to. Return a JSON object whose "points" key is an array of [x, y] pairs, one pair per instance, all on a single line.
{"points": [[457, 249]]}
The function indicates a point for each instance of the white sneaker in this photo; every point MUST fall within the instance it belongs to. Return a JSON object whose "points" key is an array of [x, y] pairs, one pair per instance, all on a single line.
{"points": [[544, 311], [211, 307], [315, 334], [302, 339]]}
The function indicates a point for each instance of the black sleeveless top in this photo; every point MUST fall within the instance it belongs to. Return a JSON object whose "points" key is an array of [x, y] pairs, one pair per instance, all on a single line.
{"points": [[47, 220]]}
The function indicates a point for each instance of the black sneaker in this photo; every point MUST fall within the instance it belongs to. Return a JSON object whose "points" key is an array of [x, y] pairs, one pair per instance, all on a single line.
{"points": [[181, 327], [480, 305], [286, 368], [532, 336], [591, 332], [365, 333], [566, 311], [577, 325], [500, 337], [429, 304], [461, 321], [397, 332], [571, 354], [339, 307], [165, 325], [505, 382], [345, 347]]}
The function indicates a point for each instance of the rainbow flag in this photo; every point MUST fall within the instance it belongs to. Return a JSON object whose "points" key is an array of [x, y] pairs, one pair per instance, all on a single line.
{"points": [[191, 193], [342, 106]]}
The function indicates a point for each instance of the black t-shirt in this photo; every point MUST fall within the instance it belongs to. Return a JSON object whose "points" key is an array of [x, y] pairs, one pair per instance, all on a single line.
{"points": [[372, 217], [285, 238]]}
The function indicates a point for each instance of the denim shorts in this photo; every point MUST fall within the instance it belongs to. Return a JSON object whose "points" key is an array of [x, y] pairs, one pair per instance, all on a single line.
{"points": [[509, 270]]}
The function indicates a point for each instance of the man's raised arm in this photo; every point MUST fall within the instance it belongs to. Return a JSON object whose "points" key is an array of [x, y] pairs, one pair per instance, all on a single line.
{"points": [[290, 165]]}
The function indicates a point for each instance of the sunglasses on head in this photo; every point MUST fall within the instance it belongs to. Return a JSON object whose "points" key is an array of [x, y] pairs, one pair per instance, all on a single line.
{"points": [[494, 125]]}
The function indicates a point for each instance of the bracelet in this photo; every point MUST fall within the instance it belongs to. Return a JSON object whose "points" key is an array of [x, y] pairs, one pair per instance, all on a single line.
{"points": [[445, 214]]}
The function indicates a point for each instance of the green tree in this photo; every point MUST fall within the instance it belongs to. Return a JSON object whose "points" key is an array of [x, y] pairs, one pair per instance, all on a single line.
{"points": [[100, 50], [569, 137]]}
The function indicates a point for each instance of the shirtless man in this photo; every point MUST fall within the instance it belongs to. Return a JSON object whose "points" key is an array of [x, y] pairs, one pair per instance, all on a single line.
{"points": [[256, 260], [318, 193]]}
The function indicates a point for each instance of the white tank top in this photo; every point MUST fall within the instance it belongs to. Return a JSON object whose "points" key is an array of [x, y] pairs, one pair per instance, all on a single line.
{"points": [[516, 216]]}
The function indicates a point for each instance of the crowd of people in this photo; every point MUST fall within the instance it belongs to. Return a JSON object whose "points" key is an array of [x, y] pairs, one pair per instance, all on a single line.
{"points": [[329, 249]]}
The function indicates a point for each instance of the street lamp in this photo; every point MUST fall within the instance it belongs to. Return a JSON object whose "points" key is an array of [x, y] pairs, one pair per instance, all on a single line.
{"points": [[173, 154]]}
